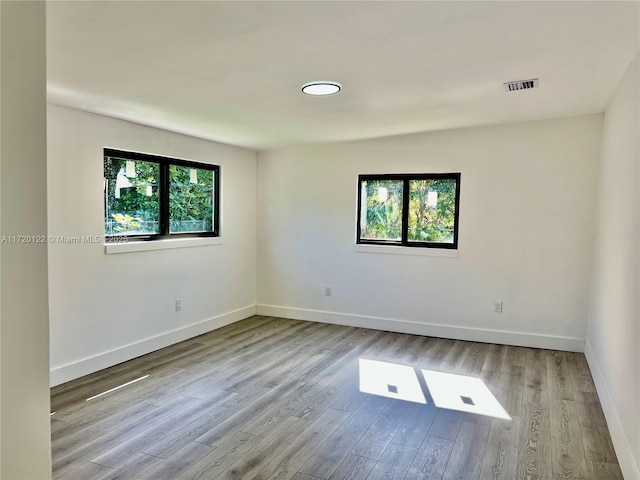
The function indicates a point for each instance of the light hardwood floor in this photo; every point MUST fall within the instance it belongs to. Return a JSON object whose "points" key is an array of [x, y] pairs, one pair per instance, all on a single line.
{"points": [[270, 398]]}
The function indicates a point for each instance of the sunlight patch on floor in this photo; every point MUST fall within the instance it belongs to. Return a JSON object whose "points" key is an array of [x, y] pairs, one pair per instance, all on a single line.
{"points": [[463, 393], [390, 380], [450, 391]]}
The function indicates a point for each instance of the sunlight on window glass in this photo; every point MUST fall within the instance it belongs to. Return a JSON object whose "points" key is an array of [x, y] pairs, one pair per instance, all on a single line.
{"points": [[463, 393], [390, 380], [131, 169]]}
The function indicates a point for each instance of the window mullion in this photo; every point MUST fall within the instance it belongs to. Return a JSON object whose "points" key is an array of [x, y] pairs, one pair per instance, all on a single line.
{"points": [[164, 198], [405, 211]]}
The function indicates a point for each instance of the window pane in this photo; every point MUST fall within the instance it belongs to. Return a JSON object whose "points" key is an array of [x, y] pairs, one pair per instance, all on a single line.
{"points": [[130, 197], [432, 210], [190, 199], [381, 210]]}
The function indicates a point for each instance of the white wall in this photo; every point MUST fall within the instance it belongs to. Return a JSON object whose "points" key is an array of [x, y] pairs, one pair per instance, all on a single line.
{"points": [[25, 441], [526, 230], [109, 308], [613, 335]]}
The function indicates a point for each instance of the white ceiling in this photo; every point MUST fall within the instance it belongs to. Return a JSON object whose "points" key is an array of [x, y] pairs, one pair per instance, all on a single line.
{"points": [[232, 71]]}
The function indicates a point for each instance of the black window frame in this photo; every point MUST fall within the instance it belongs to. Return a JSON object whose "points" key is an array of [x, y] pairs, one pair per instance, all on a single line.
{"points": [[163, 194], [406, 178]]}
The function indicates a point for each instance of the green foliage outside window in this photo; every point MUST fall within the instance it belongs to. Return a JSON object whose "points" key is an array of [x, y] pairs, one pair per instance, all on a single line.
{"points": [[133, 190], [131, 201], [383, 209], [432, 221], [190, 199], [431, 206]]}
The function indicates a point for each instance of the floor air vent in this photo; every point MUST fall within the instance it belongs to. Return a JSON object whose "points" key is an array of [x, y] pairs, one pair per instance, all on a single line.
{"points": [[521, 85]]}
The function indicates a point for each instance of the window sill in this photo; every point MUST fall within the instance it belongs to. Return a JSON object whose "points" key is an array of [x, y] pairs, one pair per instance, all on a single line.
{"points": [[129, 247], [395, 250]]}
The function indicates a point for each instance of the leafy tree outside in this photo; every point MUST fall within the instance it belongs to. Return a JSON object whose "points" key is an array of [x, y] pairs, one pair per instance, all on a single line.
{"points": [[132, 204], [383, 205], [190, 199], [432, 210], [431, 216]]}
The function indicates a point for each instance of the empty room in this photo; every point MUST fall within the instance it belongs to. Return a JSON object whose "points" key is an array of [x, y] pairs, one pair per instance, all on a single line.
{"points": [[319, 240]]}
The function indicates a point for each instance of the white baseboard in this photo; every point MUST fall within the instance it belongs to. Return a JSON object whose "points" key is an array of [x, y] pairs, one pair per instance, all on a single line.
{"points": [[85, 366], [628, 465], [428, 329]]}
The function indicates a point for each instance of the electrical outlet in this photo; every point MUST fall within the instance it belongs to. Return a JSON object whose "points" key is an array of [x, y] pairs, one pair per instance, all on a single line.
{"points": [[497, 307], [328, 291], [178, 305]]}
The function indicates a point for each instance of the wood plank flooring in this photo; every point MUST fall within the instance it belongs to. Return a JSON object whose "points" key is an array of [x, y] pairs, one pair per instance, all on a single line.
{"points": [[270, 398]]}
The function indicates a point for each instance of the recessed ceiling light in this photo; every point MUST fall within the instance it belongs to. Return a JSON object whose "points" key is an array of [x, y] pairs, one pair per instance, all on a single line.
{"points": [[321, 88]]}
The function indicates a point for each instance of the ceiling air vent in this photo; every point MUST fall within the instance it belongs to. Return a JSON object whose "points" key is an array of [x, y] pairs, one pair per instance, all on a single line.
{"points": [[521, 85]]}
